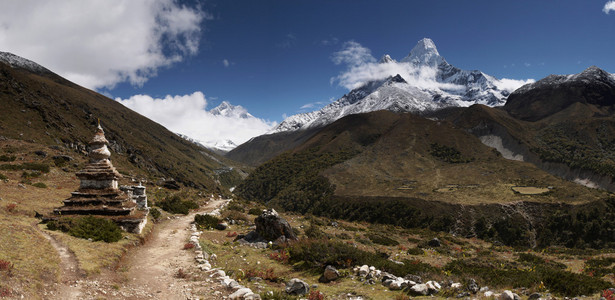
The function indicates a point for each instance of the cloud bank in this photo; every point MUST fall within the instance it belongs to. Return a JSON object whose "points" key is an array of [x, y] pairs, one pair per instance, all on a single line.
{"points": [[98, 44], [362, 67], [609, 6], [188, 115]]}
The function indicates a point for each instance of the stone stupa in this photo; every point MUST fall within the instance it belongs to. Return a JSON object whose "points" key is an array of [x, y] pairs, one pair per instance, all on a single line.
{"points": [[98, 194]]}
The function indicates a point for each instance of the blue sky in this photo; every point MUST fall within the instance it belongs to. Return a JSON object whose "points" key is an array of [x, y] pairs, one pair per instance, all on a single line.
{"points": [[275, 57], [279, 52]]}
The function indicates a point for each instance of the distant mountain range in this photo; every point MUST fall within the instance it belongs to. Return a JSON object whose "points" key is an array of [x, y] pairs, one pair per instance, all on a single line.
{"points": [[429, 83]]}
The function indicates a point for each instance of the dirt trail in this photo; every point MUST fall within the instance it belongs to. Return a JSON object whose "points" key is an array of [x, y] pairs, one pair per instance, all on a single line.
{"points": [[153, 267], [70, 285], [146, 272]]}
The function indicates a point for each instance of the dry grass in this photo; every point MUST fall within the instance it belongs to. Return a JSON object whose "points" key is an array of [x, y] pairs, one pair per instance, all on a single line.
{"points": [[529, 190], [236, 259]]}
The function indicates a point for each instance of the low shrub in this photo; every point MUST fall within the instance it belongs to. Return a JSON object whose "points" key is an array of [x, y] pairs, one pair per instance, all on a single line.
{"points": [[268, 274], [26, 166], [235, 206], [182, 274], [255, 211], [3, 177], [89, 227], [29, 175], [599, 267], [316, 254], [314, 232], [10, 208], [40, 185], [175, 205], [416, 251], [382, 240], [188, 246], [7, 158], [206, 221], [5, 292], [234, 215], [6, 266], [316, 295], [280, 255], [511, 274], [155, 213]]}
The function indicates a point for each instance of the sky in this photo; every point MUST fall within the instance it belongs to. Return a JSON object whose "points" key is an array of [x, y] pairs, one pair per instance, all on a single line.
{"points": [[173, 61]]}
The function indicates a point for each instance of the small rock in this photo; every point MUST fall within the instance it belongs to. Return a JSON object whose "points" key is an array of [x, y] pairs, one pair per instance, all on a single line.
{"points": [[414, 278], [297, 287], [488, 294], [534, 296], [41, 153], [507, 295], [329, 275], [472, 286], [456, 285], [464, 294]]}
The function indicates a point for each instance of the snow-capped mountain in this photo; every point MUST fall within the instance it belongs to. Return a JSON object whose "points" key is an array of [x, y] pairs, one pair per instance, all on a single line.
{"points": [[20, 62], [428, 82], [226, 109]]}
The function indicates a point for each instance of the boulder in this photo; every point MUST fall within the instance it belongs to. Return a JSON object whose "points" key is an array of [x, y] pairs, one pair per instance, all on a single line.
{"points": [[435, 242], [222, 226], [270, 226], [363, 270], [329, 275], [534, 296], [433, 287], [414, 278], [398, 284], [240, 293], [419, 290], [472, 286], [297, 287]]}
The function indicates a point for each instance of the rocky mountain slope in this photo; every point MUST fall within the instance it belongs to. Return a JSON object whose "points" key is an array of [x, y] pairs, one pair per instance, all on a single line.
{"points": [[43, 108]]}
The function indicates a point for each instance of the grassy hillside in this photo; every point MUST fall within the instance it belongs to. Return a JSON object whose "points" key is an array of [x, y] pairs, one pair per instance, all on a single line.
{"points": [[48, 110], [410, 171]]}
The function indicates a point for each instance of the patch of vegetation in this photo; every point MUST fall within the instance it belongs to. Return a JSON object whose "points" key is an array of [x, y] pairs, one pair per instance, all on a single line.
{"points": [[206, 221], [502, 273], [382, 240], [7, 158], [314, 232], [40, 185], [312, 254], [175, 205], [234, 215], [89, 227], [155, 213], [44, 168], [255, 211], [235, 206], [599, 267], [416, 251], [448, 154], [292, 180], [584, 227], [3, 177]]}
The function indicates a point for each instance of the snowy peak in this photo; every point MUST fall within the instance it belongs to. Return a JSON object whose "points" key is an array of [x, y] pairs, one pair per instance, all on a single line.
{"points": [[386, 59], [226, 109], [19, 62], [424, 53]]}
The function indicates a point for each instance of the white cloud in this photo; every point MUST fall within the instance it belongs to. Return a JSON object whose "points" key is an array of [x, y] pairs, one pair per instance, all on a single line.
{"points": [[527, 64], [608, 7], [510, 85], [288, 42], [101, 43], [362, 68], [226, 63], [188, 115], [312, 105], [353, 54]]}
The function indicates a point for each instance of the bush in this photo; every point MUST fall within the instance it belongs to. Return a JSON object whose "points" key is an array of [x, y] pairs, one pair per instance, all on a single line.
{"points": [[206, 221], [234, 215], [26, 166], [175, 205], [448, 154], [155, 213], [235, 206], [188, 246], [382, 240], [40, 185], [416, 251], [6, 158], [316, 254], [3, 177], [10, 208], [89, 227], [6, 266], [314, 232], [255, 211]]}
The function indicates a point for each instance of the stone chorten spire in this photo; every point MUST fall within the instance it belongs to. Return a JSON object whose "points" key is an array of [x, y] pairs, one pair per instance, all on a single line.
{"points": [[98, 193], [99, 173]]}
